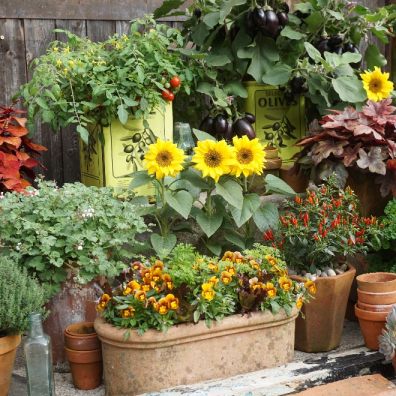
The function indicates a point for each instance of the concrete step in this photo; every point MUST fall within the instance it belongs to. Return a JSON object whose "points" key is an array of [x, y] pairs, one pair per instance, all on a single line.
{"points": [[369, 385]]}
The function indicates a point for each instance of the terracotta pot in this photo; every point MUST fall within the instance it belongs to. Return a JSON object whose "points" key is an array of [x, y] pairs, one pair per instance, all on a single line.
{"points": [[377, 282], [322, 327], [81, 336], [374, 307], [86, 368], [8, 347], [190, 353], [297, 181], [73, 303], [376, 298], [371, 326]]}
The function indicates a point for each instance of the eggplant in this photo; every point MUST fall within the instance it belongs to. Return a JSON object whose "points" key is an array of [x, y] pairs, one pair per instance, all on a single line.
{"points": [[229, 135], [284, 7], [259, 17], [349, 47], [207, 125], [272, 22], [335, 42], [250, 118], [323, 46], [197, 13], [220, 125], [282, 18], [297, 85], [242, 127]]}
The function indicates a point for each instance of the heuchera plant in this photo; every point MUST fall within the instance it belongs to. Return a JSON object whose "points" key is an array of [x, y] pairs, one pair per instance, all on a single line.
{"points": [[17, 152], [350, 138]]}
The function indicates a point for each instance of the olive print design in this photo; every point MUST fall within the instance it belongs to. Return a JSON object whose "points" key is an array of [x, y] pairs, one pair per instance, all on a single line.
{"points": [[279, 131]]}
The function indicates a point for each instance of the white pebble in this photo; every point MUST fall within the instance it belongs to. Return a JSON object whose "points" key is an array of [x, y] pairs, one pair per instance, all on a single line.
{"points": [[324, 274], [331, 272], [318, 272], [339, 271]]}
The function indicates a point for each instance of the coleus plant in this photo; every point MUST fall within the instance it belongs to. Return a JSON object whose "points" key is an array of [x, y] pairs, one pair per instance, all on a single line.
{"points": [[350, 138], [310, 51], [18, 154]]}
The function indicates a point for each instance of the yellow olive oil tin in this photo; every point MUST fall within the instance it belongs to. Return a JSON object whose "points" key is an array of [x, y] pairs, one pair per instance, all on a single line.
{"points": [[112, 163], [278, 122]]}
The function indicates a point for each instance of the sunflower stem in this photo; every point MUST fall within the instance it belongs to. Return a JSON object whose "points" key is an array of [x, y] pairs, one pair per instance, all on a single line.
{"points": [[245, 184]]}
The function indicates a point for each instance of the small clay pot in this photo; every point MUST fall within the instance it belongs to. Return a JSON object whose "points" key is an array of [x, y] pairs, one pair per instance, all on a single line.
{"points": [[8, 347], [371, 326], [81, 336], [375, 307], [86, 368], [376, 298], [377, 282]]}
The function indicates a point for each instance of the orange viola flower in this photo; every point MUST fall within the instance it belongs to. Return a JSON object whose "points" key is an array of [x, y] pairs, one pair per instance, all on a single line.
{"points": [[285, 283], [140, 295], [128, 312], [226, 277], [103, 301]]}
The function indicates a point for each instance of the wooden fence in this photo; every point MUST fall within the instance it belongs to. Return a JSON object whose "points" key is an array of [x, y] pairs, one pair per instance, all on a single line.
{"points": [[27, 27]]}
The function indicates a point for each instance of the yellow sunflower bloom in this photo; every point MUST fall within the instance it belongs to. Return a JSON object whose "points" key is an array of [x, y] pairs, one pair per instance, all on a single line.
{"points": [[164, 159], [213, 159], [249, 157], [377, 84]]}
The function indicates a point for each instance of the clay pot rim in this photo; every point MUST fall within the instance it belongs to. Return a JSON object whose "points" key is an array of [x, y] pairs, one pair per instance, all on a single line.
{"points": [[190, 332], [70, 333], [9, 343], [370, 315], [372, 294], [327, 278], [365, 279], [374, 307], [75, 356]]}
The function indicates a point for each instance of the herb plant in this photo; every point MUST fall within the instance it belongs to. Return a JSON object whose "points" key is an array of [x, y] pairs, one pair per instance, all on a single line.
{"points": [[83, 230], [150, 296], [20, 295]]}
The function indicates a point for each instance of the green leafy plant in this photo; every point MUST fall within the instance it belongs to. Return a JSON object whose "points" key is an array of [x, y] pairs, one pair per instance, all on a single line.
{"points": [[323, 229], [20, 295], [156, 295], [83, 230], [84, 83], [311, 51]]}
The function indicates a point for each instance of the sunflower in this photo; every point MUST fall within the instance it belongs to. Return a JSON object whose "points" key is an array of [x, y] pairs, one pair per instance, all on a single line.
{"points": [[213, 159], [164, 159], [377, 84], [249, 157]]}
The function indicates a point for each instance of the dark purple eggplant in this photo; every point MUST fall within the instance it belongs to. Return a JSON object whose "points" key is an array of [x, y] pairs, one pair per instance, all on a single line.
{"points": [[297, 85], [259, 17], [348, 47], [282, 18], [323, 46], [272, 22], [335, 42], [242, 127], [220, 125], [197, 13], [207, 125], [229, 135], [250, 118], [284, 7]]}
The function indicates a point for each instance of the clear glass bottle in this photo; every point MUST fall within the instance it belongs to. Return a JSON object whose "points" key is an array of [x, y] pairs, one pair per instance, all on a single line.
{"points": [[184, 137], [38, 356]]}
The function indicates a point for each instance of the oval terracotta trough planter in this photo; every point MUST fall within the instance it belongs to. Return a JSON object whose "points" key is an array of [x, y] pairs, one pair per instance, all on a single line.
{"points": [[376, 298], [371, 325], [377, 282], [190, 353], [322, 327]]}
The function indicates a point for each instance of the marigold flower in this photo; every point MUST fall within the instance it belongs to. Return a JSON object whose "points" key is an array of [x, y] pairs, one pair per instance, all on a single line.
{"points": [[213, 281], [213, 267], [285, 283], [103, 301], [207, 291], [140, 295], [299, 303], [310, 286], [226, 277], [271, 290], [128, 312]]}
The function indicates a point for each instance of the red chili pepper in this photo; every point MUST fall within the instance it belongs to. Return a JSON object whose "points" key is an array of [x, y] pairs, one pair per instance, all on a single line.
{"points": [[268, 235]]}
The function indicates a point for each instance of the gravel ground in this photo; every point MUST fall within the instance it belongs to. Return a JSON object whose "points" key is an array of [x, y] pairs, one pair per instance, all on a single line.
{"points": [[64, 387]]}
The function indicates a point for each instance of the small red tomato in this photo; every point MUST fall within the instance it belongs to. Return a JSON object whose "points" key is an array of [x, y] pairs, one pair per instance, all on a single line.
{"points": [[168, 95], [175, 82]]}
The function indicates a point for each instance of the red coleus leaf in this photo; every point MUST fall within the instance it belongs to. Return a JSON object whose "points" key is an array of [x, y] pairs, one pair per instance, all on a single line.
{"points": [[16, 130], [367, 130], [380, 112], [351, 154], [34, 146], [12, 140], [325, 148], [340, 119]]}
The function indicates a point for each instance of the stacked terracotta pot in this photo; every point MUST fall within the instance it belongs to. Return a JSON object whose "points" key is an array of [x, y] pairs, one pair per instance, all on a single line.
{"points": [[376, 295], [84, 353]]}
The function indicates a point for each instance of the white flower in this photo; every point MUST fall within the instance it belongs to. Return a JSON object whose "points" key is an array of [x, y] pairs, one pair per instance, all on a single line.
{"points": [[18, 246]]}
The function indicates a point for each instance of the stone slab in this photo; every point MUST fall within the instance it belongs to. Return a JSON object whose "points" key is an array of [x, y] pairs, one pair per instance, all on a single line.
{"points": [[369, 385]]}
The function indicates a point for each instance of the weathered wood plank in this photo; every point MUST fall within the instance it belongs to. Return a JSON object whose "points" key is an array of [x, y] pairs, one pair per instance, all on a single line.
{"points": [[122, 27], [38, 34], [12, 58], [70, 142], [101, 10], [100, 30]]}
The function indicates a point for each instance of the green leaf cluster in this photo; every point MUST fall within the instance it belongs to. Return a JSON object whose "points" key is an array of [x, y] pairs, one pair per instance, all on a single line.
{"points": [[20, 295], [53, 231]]}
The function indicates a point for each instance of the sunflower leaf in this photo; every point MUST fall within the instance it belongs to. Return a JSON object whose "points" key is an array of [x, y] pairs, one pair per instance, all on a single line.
{"points": [[231, 191], [251, 202], [163, 245], [140, 178], [180, 201], [209, 223]]}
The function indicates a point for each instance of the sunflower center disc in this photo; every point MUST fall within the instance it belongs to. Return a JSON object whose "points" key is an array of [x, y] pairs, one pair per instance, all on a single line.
{"points": [[212, 158], [164, 158], [244, 156]]}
